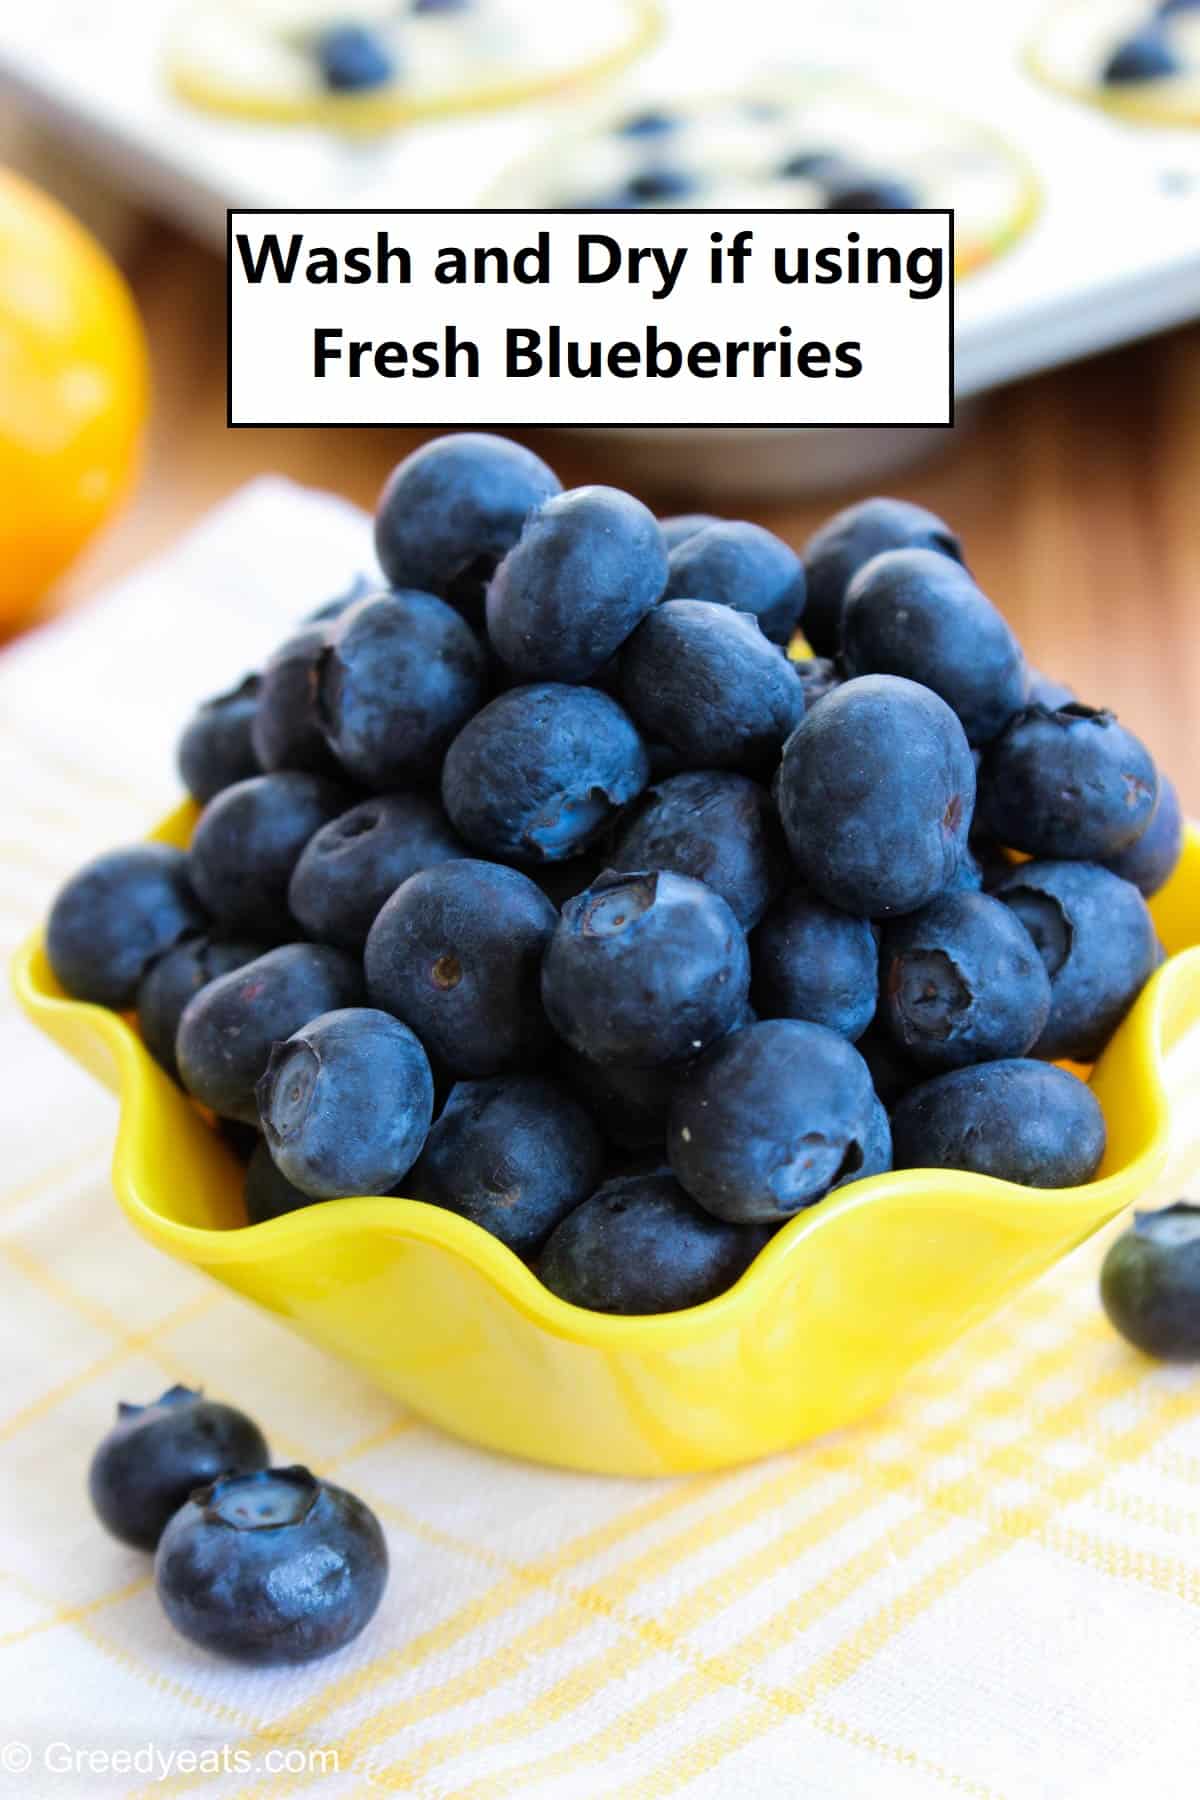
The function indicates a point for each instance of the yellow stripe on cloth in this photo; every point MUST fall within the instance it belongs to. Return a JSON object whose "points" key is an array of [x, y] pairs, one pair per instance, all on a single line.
{"points": [[669, 1631], [666, 1633]]}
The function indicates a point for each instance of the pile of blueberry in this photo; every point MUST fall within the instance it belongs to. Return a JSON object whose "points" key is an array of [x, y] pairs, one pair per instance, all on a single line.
{"points": [[268, 1566], [543, 886], [1150, 52]]}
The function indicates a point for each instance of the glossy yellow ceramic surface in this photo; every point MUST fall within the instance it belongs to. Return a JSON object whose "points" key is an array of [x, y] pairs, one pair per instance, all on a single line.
{"points": [[820, 1331]]}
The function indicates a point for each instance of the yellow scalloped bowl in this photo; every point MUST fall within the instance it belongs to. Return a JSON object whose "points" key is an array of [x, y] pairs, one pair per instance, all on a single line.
{"points": [[819, 1332]]}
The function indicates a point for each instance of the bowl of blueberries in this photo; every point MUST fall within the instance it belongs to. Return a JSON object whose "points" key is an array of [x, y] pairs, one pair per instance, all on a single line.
{"points": [[631, 988]]}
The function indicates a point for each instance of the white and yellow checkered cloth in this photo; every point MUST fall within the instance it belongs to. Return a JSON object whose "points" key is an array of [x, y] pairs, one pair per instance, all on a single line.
{"points": [[992, 1591]]}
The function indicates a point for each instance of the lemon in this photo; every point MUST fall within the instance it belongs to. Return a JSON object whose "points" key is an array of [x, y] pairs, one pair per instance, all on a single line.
{"points": [[73, 392]]}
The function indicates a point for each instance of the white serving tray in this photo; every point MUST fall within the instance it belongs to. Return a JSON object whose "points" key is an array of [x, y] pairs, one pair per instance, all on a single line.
{"points": [[1115, 253]]}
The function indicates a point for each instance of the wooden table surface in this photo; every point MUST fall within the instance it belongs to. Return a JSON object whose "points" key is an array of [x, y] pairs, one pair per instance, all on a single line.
{"points": [[1077, 495]]}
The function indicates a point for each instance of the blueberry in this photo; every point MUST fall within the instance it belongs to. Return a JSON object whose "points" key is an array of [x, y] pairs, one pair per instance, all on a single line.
{"points": [[835, 553], [148, 1464], [819, 675], [1071, 783], [630, 1104], [247, 842], [1167, 9], [169, 983], [287, 728], [271, 1568], [329, 610], [964, 982], [659, 183], [114, 916], [401, 675], [639, 1245], [1150, 1282], [862, 190], [217, 746], [587, 567], [648, 123], [226, 1032], [876, 1146], [917, 613], [456, 953], [542, 771], [614, 199], [770, 1120], [812, 961], [514, 1155], [892, 1072], [352, 58], [875, 791], [351, 866], [814, 165], [704, 680], [267, 1192], [452, 509], [1151, 860], [346, 1103], [1021, 1121], [717, 827], [1044, 690], [677, 529], [1097, 941], [1145, 55], [968, 877], [645, 968], [738, 564]]}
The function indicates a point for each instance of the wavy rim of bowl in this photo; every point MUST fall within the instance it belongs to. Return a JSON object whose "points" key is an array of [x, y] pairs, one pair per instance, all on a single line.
{"points": [[1090, 1205]]}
